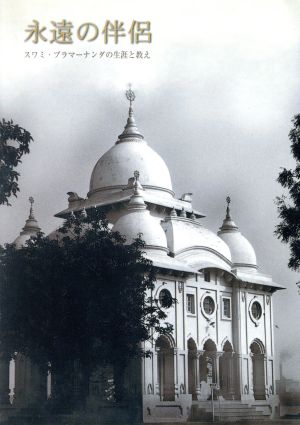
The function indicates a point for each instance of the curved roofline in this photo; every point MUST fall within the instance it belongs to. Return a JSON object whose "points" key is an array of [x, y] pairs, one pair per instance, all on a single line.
{"points": [[184, 219], [252, 266], [155, 247], [204, 248], [217, 267]]}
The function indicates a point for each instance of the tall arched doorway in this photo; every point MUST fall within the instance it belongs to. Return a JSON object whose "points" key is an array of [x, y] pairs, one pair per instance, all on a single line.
{"points": [[258, 369], [226, 372], [192, 367], [165, 369], [208, 362]]}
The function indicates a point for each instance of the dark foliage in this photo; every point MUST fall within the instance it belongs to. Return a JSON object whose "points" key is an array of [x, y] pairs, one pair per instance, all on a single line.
{"points": [[82, 298], [288, 230], [14, 143]]}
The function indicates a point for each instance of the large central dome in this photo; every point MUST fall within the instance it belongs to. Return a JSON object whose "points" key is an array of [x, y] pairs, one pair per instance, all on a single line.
{"points": [[117, 165], [131, 152]]}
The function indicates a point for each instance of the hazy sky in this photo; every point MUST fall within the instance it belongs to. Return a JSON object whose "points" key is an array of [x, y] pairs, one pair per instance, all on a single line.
{"points": [[215, 100]]}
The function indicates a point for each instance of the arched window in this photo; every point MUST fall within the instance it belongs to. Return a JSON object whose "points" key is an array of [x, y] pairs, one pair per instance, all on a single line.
{"points": [[165, 368], [208, 362], [227, 372], [258, 369]]}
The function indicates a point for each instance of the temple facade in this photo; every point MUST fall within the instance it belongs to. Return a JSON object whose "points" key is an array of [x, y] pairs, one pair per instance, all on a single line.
{"points": [[219, 358]]}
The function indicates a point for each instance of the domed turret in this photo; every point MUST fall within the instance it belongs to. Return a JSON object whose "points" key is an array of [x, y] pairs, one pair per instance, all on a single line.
{"points": [[138, 220], [242, 252], [131, 152], [31, 228]]}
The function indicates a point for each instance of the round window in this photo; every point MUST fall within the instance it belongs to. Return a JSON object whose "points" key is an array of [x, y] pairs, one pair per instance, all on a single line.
{"points": [[256, 310], [208, 305], [165, 298]]}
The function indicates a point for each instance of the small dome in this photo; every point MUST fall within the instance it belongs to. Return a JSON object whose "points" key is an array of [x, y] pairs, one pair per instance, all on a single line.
{"points": [[130, 153], [138, 220], [22, 239], [31, 228], [242, 252]]}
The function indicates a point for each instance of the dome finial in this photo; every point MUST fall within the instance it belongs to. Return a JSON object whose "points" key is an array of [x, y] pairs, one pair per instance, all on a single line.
{"points": [[228, 200], [228, 223], [130, 130], [130, 96], [31, 200]]}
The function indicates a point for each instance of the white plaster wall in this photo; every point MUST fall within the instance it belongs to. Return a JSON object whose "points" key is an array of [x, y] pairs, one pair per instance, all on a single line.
{"points": [[260, 329], [201, 327], [198, 326]]}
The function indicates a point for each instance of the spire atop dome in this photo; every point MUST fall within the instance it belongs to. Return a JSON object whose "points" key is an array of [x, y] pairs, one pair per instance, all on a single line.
{"points": [[228, 223], [130, 129], [31, 200], [228, 200], [31, 224], [31, 227], [242, 252]]}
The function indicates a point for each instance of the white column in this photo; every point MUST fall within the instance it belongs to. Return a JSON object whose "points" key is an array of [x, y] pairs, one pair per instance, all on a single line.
{"points": [[157, 379], [176, 384], [197, 372], [236, 334], [251, 377], [217, 365]]}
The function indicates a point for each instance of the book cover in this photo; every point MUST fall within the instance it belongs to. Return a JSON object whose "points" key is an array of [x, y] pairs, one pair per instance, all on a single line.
{"points": [[216, 85]]}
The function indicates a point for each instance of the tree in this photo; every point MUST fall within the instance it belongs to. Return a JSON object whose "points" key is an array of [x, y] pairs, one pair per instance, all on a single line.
{"points": [[84, 298], [288, 230], [14, 143]]}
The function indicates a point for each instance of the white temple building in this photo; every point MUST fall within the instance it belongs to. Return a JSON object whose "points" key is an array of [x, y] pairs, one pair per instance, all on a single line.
{"points": [[222, 341]]}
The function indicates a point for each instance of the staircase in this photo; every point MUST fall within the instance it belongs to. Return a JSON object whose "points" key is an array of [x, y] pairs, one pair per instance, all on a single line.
{"points": [[229, 411]]}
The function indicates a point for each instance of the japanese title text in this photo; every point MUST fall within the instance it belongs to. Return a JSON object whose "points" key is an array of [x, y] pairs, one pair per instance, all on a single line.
{"points": [[64, 32]]}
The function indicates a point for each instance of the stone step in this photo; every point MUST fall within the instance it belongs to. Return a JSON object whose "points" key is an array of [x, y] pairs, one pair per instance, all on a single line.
{"points": [[237, 411], [230, 412], [223, 420], [241, 420], [240, 414], [238, 421], [234, 407], [246, 410], [223, 405]]}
